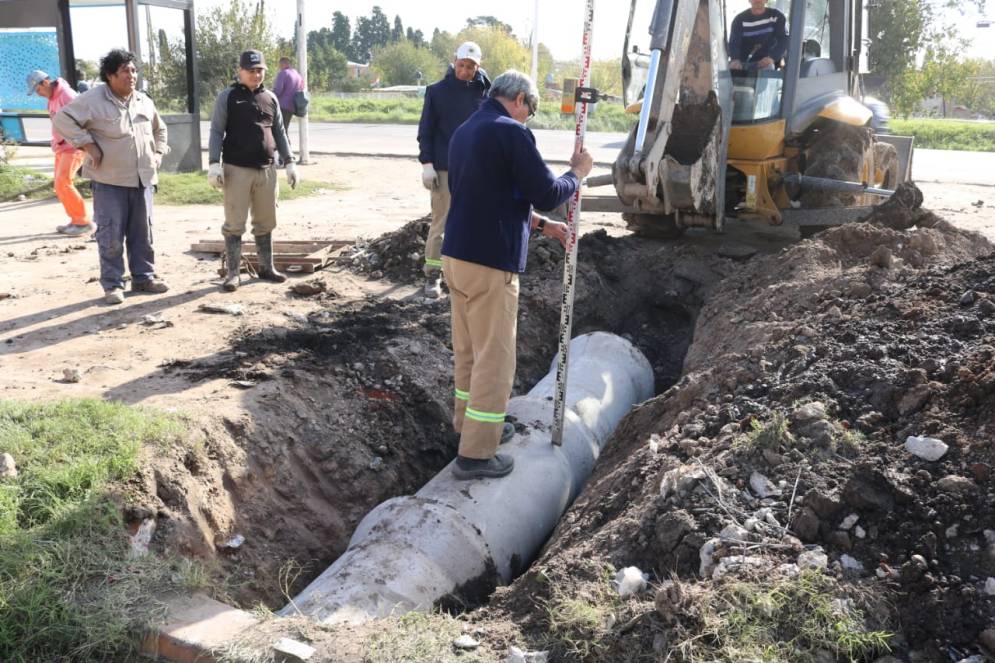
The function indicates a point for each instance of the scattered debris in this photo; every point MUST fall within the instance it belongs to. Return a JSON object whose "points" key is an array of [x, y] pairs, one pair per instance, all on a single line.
{"points": [[141, 539], [851, 563], [516, 655], [234, 543], [849, 521], [297, 651], [156, 320], [990, 587], [927, 448], [465, 642], [763, 487], [243, 384], [955, 484], [813, 559], [8, 468], [308, 288], [630, 581], [71, 375], [227, 309]]}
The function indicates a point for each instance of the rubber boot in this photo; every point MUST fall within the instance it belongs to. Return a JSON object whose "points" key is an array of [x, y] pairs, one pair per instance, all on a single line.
{"points": [[264, 245], [233, 253]]}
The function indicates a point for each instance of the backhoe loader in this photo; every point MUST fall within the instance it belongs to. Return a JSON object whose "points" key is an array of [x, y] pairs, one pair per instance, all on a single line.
{"points": [[792, 144]]}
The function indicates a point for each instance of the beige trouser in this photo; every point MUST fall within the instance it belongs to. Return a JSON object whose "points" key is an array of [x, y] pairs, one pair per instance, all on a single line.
{"points": [[248, 189], [440, 208], [484, 304]]}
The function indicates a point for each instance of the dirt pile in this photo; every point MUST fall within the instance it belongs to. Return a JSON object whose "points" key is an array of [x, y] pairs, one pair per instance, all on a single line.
{"points": [[398, 255], [782, 448]]}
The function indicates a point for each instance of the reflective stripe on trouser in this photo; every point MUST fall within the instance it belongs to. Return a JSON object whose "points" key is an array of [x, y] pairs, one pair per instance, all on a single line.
{"points": [[67, 164], [440, 209], [249, 189], [484, 303]]}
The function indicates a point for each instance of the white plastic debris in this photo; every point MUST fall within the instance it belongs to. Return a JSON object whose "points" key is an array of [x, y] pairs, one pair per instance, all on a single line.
{"points": [[851, 563], [680, 479], [654, 443], [762, 486], [707, 556], [71, 375], [226, 309], [235, 542], [465, 642], [990, 587], [927, 448], [849, 521], [813, 559], [859, 532], [516, 655], [142, 538], [733, 563], [297, 651], [8, 468], [630, 581]]}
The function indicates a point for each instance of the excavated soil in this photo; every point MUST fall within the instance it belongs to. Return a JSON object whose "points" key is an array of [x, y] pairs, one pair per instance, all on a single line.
{"points": [[859, 337]]}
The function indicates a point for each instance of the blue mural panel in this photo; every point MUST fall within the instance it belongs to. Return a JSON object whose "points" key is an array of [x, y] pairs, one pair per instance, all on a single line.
{"points": [[21, 52]]}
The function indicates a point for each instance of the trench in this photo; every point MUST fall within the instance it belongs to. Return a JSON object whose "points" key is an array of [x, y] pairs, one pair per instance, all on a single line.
{"points": [[358, 409]]}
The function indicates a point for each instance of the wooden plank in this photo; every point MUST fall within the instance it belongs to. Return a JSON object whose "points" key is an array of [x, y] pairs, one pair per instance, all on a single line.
{"points": [[303, 248]]}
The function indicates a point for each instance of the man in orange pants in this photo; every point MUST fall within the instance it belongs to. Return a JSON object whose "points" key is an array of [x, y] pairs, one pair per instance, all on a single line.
{"points": [[68, 160]]}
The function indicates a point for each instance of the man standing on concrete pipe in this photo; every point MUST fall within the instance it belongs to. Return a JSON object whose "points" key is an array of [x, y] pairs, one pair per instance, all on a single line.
{"points": [[448, 104], [496, 176]]}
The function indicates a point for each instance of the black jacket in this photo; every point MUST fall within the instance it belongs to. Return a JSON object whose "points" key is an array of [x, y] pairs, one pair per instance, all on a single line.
{"points": [[247, 128], [448, 104]]}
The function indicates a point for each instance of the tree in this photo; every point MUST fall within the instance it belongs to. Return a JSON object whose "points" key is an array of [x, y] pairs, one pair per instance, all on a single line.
{"points": [[327, 66], [488, 22], [397, 34], [88, 69], [370, 33], [500, 49], [400, 62], [978, 92], [416, 37], [443, 45], [341, 32], [223, 33]]}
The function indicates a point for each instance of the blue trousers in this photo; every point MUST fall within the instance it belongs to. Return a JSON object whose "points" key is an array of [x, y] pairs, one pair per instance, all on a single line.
{"points": [[123, 215]]}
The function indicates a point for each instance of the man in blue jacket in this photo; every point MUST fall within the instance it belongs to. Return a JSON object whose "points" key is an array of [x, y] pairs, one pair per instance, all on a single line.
{"points": [[758, 38], [448, 104], [496, 176]]}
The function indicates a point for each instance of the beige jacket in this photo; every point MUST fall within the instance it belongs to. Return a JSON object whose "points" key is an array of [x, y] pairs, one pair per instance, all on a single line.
{"points": [[131, 134]]}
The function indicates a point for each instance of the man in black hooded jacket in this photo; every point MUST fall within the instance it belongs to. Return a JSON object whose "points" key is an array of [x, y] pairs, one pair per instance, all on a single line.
{"points": [[448, 104]]}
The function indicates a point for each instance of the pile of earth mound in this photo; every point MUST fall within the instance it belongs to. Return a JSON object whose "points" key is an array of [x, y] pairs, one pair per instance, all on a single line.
{"points": [[781, 453], [398, 255]]}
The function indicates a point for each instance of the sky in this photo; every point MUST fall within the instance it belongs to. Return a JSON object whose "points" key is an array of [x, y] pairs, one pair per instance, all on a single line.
{"points": [[560, 21]]}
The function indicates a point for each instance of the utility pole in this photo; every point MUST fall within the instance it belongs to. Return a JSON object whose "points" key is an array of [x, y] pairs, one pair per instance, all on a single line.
{"points": [[303, 156], [535, 44]]}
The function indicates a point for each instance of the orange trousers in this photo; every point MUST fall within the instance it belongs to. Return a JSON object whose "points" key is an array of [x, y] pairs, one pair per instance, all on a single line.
{"points": [[67, 164]]}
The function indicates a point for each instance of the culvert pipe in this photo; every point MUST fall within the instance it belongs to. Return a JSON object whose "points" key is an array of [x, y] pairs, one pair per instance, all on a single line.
{"points": [[453, 537]]}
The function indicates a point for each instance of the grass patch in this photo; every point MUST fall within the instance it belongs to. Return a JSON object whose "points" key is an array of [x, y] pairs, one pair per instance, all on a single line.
{"points": [[16, 181], [947, 134], [786, 621], [773, 435], [607, 117], [193, 189], [581, 625], [418, 637], [68, 589]]}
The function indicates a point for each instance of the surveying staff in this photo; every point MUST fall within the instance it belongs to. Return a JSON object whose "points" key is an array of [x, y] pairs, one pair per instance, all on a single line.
{"points": [[68, 159], [448, 103], [120, 130], [246, 131], [496, 175], [758, 38]]}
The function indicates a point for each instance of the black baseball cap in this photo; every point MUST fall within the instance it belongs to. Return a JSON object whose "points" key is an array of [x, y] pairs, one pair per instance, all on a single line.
{"points": [[252, 59]]}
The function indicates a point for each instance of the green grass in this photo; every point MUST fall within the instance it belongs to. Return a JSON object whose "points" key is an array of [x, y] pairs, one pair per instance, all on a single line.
{"points": [[947, 134], [773, 435], [15, 181], [68, 589], [193, 189], [783, 621], [607, 117], [418, 637]]}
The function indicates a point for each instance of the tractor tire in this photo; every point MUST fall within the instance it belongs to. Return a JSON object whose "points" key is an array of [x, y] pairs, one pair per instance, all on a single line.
{"points": [[652, 226], [886, 163], [838, 152]]}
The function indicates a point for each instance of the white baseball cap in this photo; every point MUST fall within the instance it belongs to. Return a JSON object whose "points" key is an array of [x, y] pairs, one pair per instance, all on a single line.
{"points": [[469, 50]]}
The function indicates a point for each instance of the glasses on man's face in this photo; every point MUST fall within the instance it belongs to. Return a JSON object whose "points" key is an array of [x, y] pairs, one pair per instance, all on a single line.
{"points": [[533, 105]]}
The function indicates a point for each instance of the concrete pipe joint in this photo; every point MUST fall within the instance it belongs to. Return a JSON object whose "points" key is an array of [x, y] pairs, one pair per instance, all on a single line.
{"points": [[411, 551]]}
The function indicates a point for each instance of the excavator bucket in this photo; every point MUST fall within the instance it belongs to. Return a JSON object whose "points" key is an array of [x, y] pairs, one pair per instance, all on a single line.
{"points": [[673, 164]]}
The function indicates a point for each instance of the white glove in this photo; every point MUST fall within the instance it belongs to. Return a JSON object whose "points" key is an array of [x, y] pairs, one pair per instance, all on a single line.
{"points": [[429, 177], [215, 176], [292, 178]]}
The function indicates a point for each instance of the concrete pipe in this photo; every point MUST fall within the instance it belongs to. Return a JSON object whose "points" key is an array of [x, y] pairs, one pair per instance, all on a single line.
{"points": [[451, 536]]}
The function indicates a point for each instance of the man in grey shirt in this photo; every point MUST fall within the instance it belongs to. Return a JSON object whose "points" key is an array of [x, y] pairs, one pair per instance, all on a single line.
{"points": [[121, 132]]}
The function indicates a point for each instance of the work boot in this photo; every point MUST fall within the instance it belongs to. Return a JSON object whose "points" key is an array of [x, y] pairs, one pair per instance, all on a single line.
{"points": [[264, 245], [153, 285], [433, 286], [233, 259], [466, 469], [74, 230], [114, 296]]}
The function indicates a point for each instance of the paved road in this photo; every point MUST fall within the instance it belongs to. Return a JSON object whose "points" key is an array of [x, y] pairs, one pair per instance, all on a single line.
{"points": [[944, 166]]}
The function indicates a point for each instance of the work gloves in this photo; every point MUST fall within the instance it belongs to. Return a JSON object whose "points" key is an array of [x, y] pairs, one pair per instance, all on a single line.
{"points": [[215, 176], [292, 178], [429, 177]]}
